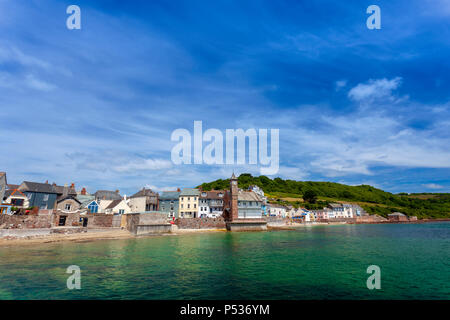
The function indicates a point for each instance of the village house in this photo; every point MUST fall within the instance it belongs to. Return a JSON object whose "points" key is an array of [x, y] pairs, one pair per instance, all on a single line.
{"points": [[249, 204], [40, 195], [16, 198], [339, 210], [144, 200], [189, 203], [117, 207], [256, 189], [211, 203], [276, 210], [169, 202]]}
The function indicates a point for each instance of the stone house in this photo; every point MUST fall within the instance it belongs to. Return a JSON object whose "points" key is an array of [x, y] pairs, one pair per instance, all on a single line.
{"points": [[144, 200]]}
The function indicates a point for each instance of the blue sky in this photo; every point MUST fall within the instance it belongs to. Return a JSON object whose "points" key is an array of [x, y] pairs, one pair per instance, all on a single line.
{"points": [[97, 106]]}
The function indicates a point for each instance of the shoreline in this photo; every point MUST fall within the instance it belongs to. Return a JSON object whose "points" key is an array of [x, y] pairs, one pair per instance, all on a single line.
{"points": [[121, 234]]}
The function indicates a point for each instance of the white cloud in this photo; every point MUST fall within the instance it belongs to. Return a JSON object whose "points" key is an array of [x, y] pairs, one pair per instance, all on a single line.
{"points": [[143, 164], [374, 89], [38, 84], [433, 186], [340, 84]]}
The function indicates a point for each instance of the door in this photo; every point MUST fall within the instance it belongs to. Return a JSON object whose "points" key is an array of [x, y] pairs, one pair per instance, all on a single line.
{"points": [[85, 222], [62, 221]]}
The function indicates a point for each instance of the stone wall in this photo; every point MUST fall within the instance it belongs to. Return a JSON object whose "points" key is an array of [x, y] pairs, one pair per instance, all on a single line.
{"points": [[100, 220], [25, 221], [147, 223], [371, 219], [200, 223]]}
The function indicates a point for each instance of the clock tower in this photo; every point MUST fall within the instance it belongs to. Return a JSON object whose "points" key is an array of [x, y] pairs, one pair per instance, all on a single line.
{"points": [[234, 197]]}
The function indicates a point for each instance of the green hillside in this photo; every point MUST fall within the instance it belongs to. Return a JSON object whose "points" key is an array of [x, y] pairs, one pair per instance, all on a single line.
{"points": [[373, 200]]}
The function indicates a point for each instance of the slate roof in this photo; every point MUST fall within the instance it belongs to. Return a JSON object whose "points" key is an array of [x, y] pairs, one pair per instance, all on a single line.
{"points": [[190, 192], [144, 193], [169, 195], [67, 197], [214, 194], [248, 196], [396, 214], [107, 195], [60, 190], [13, 186], [16, 192], [113, 204], [36, 187]]}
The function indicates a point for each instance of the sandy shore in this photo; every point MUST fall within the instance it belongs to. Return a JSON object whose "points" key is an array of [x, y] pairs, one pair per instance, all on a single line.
{"points": [[91, 235]]}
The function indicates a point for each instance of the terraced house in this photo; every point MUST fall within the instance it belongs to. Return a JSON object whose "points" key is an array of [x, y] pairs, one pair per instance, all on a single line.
{"points": [[169, 203], [211, 203], [189, 200]]}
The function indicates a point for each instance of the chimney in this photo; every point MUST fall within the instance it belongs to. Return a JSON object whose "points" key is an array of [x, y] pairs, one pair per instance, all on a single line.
{"points": [[65, 190], [178, 190], [117, 191], [83, 191], [46, 181], [72, 185]]}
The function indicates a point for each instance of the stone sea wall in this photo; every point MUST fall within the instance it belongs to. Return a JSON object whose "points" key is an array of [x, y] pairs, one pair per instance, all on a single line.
{"points": [[201, 223]]}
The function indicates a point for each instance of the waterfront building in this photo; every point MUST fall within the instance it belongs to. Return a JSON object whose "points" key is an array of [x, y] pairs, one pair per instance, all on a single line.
{"points": [[260, 193], [277, 210], [211, 203], [397, 217], [41, 195], [144, 200], [242, 209], [340, 210], [249, 205], [169, 203], [189, 201]]}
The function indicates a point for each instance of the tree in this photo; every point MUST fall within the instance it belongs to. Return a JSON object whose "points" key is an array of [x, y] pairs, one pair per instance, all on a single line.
{"points": [[310, 196]]}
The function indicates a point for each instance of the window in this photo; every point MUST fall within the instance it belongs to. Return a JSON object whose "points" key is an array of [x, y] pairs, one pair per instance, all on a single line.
{"points": [[93, 207], [189, 198], [195, 206], [121, 211], [67, 207], [17, 202], [189, 206], [181, 206], [45, 197]]}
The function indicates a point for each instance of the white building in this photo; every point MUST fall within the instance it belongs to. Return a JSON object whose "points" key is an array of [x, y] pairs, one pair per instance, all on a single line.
{"points": [[276, 210]]}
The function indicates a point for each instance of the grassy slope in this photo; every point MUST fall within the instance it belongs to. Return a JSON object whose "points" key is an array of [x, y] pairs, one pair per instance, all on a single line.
{"points": [[373, 200]]}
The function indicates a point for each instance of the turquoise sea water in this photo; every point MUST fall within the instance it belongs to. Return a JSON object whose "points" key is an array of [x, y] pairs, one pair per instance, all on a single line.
{"points": [[321, 262]]}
